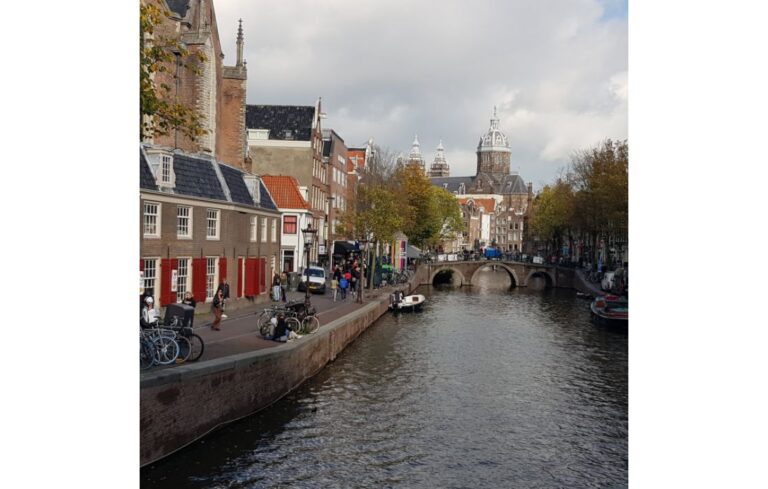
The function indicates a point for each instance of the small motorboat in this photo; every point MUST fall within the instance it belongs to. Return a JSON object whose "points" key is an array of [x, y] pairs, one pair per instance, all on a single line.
{"points": [[399, 302], [610, 310]]}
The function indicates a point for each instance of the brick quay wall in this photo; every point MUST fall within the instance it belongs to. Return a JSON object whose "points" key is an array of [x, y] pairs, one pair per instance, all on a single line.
{"points": [[182, 404]]}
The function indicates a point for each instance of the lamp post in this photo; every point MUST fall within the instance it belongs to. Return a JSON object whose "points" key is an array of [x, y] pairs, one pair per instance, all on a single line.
{"points": [[309, 235], [361, 278]]}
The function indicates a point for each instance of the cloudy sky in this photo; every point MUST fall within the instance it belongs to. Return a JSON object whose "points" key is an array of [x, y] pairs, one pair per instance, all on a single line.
{"points": [[556, 69]]}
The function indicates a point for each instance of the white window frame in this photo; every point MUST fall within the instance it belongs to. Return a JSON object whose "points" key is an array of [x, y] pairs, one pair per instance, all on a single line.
{"points": [[211, 279], [152, 264], [183, 277], [158, 207], [188, 217], [263, 229], [274, 230], [217, 223], [254, 227]]}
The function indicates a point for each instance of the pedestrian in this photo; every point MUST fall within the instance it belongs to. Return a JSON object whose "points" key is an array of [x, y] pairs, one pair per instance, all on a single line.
{"points": [[148, 317], [284, 286], [189, 300], [353, 282], [343, 284], [334, 287], [224, 288], [216, 309], [276, 287]]}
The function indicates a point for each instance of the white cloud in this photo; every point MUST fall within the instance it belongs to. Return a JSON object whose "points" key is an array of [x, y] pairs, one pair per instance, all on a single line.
{"points": [[556, 71]]}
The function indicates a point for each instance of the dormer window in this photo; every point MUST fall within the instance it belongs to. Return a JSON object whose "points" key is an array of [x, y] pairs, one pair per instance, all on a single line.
{"points": [[161, 162], [165, 169], [462, 189]]}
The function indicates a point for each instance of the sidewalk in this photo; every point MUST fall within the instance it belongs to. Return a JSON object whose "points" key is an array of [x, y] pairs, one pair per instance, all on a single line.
{"points": [[239, 332]]}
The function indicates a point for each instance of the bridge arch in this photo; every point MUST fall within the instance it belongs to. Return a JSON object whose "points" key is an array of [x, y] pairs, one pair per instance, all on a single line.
{"points": [[507, 268], [457, 273], [546, 274]]}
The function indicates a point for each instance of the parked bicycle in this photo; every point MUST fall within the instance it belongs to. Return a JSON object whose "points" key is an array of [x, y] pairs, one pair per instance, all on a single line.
{"points": [[195, 342], [264, 320], [164, 346]]}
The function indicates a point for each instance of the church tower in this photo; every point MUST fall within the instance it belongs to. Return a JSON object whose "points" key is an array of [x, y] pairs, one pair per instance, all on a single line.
{"points": [[493, 153], [414, 157], [439, 167]]}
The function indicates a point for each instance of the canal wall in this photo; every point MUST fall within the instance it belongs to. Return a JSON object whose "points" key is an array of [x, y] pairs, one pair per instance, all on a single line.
{"points": [[182, 404]]}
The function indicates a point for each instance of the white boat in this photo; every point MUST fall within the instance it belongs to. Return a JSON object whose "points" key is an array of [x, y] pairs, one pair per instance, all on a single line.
{"points": [[398, 302]]}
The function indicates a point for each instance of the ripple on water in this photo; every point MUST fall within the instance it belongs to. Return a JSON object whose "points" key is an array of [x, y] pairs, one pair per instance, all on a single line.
{"points": [[499, 389]]}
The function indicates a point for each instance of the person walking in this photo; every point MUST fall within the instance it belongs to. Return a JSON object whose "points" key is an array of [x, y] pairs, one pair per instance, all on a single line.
{"points": [[189, 300], [284, 286], [343, 284], [334, 287], [216, 308], [276, 287], [224, 288]]}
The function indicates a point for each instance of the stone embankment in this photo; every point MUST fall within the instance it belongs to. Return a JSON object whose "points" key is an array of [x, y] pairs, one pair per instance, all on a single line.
{"points": [[182, 404]]}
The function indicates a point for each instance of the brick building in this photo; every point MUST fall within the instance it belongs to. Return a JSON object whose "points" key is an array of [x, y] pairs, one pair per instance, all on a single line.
{"points": [[201, 221], [296, 216], [335, 160], [287, 140], [215, 91]]}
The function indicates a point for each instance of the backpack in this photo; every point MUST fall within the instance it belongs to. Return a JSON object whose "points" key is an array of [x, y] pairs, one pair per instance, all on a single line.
{"points": [[343, 283]]}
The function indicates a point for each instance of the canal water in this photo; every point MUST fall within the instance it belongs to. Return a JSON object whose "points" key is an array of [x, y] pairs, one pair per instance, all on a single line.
{"points": [[487, 387]]}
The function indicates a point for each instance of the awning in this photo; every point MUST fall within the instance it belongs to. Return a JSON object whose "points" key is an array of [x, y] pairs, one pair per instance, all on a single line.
{"points": [[413, 252], [342, 248]]}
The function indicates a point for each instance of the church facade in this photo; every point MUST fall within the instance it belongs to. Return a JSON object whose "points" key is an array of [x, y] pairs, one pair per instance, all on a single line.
{"points": [[493, 179]]}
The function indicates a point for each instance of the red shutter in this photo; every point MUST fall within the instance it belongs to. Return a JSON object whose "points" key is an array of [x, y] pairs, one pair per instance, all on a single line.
{"points": [[198, 279], [251, 273], [239, 278], [222, 268], [141, 264], [262, 278], [165, 282]]}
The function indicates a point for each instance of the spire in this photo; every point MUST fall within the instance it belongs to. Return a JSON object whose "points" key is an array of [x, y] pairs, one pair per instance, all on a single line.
{"points": [[494, 119], [415, 150], [439, 167], [240, 43]]}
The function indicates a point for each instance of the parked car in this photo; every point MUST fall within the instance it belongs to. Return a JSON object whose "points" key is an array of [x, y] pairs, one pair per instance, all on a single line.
{"points": [[316, 280], [538, 260], [607, 283]]}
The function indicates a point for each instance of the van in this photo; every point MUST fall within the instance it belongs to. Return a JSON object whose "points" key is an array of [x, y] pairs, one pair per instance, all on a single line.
{"points": [[316, 280]]}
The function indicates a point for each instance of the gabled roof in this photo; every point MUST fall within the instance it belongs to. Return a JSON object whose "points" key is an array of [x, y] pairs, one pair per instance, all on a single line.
{"points": [[453, 182], [196, 177], [513, 184], [202, 177], [146, 178], [237, 188], [488, 204], [285, 191], [285, 122]]}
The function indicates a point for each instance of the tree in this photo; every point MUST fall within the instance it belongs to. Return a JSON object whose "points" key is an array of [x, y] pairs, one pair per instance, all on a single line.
{"points": [[552, 213], [422, 218], [157, 55], [448, 214]]}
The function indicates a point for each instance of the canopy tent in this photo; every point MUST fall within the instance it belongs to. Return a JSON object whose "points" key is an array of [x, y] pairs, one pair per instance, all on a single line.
{"points": [[342, 248], [413, 252]]}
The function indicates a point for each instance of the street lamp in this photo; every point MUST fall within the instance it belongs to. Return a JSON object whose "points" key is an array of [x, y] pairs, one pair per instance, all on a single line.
{"points": [[364, 242], [309, 235]]}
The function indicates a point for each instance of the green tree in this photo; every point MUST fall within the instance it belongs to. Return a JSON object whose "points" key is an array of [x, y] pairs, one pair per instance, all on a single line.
{"points": [[159, 54], [552, 213], [422, 218], [448, 214]]}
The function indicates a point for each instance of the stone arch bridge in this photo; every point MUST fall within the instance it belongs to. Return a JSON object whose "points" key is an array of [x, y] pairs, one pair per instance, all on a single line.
{"points": [[465, 272]]}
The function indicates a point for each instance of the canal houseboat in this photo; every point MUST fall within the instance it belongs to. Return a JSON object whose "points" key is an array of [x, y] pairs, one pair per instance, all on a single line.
{"points": [[610, 310]]}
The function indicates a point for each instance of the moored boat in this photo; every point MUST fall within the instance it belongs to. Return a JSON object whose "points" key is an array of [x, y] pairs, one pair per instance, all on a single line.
{"points": [[610, 310], [398, 302]]}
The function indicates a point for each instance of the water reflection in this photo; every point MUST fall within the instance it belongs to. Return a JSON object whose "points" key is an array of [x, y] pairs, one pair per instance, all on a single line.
{"points": [[488, 387]]}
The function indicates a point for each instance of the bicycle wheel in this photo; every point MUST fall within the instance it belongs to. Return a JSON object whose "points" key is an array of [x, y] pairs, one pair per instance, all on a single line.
{"points": [[197, 347], [146, 354], [166, 350], [310, 324], [185, 349], [263, 323], [294, 325]]}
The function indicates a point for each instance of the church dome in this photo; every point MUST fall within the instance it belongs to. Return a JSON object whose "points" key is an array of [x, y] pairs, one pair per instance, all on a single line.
{"points": [[494, 139]]}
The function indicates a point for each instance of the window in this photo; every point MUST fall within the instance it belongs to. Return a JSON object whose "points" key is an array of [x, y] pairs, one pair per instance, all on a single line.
{"points": [[263, 229], [289, 224], [274, 230], [166, 169], [254, 224], [212, 227], [210, 277], [184, 222], [150, 276], [182, 279], [151, 219]]}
